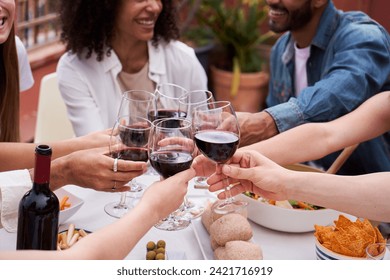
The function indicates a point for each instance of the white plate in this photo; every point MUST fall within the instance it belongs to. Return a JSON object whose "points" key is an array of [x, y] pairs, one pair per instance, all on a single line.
{"points": [[288, 220], [203, 238], [75, 204]]}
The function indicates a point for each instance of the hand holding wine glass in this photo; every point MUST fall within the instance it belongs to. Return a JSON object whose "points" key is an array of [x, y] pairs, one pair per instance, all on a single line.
{"points": [[217, 135], [129, 141]]}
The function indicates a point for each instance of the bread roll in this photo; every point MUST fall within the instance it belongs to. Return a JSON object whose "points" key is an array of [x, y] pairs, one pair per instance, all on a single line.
{"points": [[207, 217], [230, 227], [238, 250]]}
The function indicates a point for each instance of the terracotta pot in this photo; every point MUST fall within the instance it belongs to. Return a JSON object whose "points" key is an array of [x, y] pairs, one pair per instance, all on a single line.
{"points": [[251, 94]]}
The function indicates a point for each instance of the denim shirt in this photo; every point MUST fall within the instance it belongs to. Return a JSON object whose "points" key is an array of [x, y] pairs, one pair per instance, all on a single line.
{"points": [[349, 62]]}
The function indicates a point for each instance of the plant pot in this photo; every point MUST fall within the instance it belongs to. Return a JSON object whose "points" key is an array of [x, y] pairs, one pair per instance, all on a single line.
{"points": [[252, 92]]}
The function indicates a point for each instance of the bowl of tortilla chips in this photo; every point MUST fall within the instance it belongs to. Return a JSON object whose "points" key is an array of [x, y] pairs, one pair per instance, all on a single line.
{"points": [[346, 240]]}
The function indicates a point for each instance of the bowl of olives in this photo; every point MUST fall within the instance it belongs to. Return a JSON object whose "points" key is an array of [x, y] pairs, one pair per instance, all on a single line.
{"points": [[156, 250]]}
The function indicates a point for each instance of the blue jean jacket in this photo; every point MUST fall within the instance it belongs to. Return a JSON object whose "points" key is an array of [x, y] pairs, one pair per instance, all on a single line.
{"points": [[349, 62]]}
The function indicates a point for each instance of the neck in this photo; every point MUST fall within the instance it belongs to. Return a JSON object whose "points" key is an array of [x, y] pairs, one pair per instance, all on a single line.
{"points": [[133, 55], [304, 36]]}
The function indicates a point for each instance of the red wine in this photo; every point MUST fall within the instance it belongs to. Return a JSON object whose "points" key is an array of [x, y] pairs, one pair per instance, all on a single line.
{"points": [[218, 146], [39, 208], [134, 154], [134, 135], [168, 163], [164, 113]]}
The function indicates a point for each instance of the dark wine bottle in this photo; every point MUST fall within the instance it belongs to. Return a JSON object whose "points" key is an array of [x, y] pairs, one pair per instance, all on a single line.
{"points": [[39, 208]]}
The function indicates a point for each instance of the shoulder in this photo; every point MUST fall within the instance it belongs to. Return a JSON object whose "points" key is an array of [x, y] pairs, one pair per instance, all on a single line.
{"points": [[20, 48], [177, 48], [361, 27]]}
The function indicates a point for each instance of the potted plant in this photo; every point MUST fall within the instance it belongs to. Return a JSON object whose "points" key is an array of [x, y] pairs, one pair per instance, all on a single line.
{"points": [[198, 37], [236, 25]]}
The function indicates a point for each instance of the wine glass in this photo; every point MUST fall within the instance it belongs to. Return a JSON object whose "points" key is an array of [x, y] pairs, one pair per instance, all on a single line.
{"points": [[138, 103], [217, 135], [191, 100], [128, 141], [167, 103], [171, 151]]}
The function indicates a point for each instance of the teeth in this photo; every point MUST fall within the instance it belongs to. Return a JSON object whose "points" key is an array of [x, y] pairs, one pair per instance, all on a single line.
{"points": [[277, 12], [146, 22]]}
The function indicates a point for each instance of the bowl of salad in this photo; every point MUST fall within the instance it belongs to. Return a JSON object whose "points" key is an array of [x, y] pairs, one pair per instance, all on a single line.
{"points": [[288, 215]]}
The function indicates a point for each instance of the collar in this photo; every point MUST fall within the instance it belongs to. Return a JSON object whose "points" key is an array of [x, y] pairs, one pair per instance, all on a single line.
{"points": [[326, 27], [156, 60]]}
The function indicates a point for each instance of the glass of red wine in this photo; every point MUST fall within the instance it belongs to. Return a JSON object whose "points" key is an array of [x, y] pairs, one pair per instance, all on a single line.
{"points": [[128, 141], [167, 103], [136, 102], [171, 150], [217, 135], [191, 100]]}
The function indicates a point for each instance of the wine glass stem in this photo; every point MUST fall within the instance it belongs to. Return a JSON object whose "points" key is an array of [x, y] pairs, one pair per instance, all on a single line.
{"points": [[122, 201], [228, 194]]}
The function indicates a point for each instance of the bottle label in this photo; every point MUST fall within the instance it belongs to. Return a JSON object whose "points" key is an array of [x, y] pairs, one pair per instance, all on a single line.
{"points": [[42, 169]]}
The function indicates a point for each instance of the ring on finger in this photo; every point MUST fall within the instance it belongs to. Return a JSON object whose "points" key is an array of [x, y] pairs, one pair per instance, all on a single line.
{"points": [[115, 167]]}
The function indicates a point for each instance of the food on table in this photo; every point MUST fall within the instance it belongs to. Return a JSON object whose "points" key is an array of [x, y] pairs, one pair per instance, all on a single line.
{"points": [[155, 251], [64, 203], [347, 237], [239, 250], [229, 235], [231, 227], [69, 237], [290, 203]]}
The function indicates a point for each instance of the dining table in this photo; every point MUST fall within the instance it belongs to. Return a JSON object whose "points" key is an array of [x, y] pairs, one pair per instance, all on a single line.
{"points": [[187, 243]]}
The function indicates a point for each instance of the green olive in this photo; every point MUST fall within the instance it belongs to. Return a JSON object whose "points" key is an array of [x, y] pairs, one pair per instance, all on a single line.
{"points": [[150, 246], [160, 256], [151, 255], [160, 250], [161, 244]]}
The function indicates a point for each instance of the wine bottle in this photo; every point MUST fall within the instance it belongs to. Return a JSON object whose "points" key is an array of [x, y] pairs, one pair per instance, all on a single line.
{"points": [[39, 208]]}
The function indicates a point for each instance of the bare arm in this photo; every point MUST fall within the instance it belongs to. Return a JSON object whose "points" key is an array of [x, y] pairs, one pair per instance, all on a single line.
{"points": [[114, 241], [363, 196], [21, 155], [315, 140]]}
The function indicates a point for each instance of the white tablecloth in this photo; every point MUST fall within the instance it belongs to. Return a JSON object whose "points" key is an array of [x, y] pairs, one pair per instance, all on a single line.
{"points": [[91, 216]]}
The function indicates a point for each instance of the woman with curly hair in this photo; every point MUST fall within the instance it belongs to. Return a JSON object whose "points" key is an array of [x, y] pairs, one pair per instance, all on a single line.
{"points": [[118, 45]]}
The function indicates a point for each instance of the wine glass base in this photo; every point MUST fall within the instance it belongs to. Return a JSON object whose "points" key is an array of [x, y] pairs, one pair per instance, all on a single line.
{"points": [[201, 181], [116, 210], [190, 213], [173, 223], [224, 207]]}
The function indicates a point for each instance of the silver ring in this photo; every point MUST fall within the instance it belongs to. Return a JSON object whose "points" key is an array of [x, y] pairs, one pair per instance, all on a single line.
{"points": [[115, 167]]}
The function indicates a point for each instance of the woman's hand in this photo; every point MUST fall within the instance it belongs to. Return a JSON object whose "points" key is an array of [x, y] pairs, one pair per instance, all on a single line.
{"points": [[93, 168], [250, 171], [203, 166], [166, 196]]}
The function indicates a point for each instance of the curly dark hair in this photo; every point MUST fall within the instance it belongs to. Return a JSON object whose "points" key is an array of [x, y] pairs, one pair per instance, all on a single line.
{"points": [[89, 24]]}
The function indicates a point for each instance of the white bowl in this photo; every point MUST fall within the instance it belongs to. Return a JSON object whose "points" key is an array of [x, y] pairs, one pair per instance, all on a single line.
{"points": [[287, 220], [323, 253], [75, 204]]}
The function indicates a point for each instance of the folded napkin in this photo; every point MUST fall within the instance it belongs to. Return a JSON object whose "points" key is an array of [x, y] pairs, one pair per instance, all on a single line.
{"points": [[13, 185]]}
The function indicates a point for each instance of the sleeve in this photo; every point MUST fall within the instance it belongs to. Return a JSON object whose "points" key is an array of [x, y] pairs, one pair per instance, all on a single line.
{"points": [[358, 69], [13, 185], [82, 110], [26, 77]]}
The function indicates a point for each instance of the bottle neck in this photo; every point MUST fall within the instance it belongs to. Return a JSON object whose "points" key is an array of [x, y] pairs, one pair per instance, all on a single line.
{"points": [[42, 170]]}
